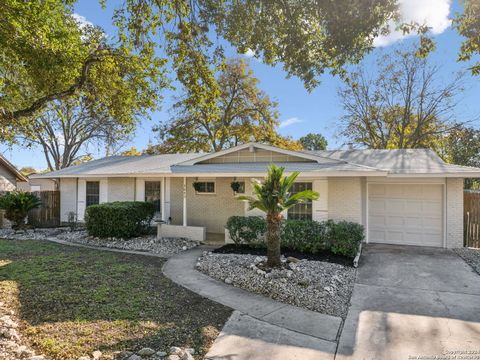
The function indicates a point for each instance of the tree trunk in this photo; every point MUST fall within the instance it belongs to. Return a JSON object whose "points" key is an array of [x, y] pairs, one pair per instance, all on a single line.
{"points": [[274, 222]]}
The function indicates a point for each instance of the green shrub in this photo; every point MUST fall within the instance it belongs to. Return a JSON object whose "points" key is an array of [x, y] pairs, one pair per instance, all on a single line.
{"points": [[312, 237], [247, 229], [121, 219], [17, 204], [305, 236], [345, 237]]}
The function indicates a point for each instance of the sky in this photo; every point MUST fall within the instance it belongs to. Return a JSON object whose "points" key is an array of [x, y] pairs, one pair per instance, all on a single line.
{"points": [[302, 112]]}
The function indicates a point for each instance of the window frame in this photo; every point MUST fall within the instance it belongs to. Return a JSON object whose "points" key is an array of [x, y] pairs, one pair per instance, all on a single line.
{"points": [[159, 211], [207, 193], [309, 203], [87, 194]]}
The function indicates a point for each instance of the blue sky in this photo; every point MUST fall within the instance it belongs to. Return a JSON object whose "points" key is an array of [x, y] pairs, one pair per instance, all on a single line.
{"points": [[303, 112]]}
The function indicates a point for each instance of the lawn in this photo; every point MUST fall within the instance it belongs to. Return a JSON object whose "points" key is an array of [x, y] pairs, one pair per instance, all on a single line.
{"points": [[73, 301]]}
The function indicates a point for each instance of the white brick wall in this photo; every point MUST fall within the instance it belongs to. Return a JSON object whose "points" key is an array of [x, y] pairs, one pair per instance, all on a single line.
{"points": [[345, 199], [454, 212], [121, 189], [210, 210], [68, 197]]}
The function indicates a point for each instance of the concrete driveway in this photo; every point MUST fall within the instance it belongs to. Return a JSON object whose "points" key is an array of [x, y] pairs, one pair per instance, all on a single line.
{"points": [[412, 303]]}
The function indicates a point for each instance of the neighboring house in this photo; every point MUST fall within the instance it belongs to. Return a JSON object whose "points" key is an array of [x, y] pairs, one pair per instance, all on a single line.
{"points": [[33, 184], [10, 177], [400, 196]]}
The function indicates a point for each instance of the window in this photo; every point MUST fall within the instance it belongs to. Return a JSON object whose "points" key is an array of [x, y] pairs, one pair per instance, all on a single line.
{"points": [[241, 189], [93, 193], [205, 187], [301, 211], [153, 194]]}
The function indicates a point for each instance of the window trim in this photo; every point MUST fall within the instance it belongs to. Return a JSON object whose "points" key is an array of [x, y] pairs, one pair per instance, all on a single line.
{"points": [[87, 194], [310, 202], [207, 193], [159, 212]]}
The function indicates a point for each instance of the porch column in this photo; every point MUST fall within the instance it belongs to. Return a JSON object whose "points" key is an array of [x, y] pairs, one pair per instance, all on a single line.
{"points": [[184, 201], [162, 199]]}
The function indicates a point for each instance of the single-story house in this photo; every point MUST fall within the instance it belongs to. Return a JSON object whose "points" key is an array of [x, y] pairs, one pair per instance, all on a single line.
{"points": [[401, 196], [10, 176]]}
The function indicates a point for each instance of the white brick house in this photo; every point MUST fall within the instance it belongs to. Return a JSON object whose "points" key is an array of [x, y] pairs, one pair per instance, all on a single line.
{"points": [[406, 197]]}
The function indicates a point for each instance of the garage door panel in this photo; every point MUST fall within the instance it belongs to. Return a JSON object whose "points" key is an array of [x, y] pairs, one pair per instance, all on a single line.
{"points": [[395, 206], [377, 206], [406, 214]]}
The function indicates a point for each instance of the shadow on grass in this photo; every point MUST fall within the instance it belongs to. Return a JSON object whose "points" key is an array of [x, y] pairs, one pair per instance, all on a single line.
{"points": [[74, 301]]}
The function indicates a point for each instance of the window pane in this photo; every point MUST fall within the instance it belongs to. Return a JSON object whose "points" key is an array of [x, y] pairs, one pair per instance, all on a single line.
{"points": [[153, 193], [301, 211], [206, 187], [93, 193]]}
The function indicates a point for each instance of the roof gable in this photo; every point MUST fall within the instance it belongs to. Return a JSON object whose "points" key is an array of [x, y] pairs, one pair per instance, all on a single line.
{"points": [[12, 169], [257, 153]]}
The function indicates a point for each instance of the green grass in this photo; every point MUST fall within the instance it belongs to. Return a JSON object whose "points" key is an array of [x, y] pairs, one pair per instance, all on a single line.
{"points": [[73, 301]]}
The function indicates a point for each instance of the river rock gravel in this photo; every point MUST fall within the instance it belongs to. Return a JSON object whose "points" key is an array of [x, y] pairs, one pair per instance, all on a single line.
{"points": [[315, 285], [164, 247], [471, 257]]}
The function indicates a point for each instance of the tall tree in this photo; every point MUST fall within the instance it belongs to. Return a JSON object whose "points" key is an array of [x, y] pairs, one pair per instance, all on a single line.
{"points": [[46, 54], [462, 147], [236, 112], [406, 105], [313, 142], [66, 129]]}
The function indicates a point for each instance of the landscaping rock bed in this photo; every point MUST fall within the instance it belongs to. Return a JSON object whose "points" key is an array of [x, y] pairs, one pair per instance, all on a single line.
{"points": [[315, 285], [164, 247], [11, 344], [471, 257]]}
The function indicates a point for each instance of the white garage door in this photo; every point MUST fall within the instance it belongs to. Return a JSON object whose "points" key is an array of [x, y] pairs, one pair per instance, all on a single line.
{"points": [[405, 214]]}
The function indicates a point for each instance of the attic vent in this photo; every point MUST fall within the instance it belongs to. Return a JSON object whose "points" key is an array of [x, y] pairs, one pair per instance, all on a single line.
{"points": [[251, 148]]}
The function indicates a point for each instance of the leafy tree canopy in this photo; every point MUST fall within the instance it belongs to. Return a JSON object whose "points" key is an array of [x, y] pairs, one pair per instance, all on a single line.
{"points": [[232, 112], [468, 25], [47, 55], [462, 147], [313, 142]]}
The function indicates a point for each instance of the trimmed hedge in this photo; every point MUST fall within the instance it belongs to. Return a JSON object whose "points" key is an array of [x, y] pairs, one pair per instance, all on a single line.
{"points": [[246, 229], [120, 219], [313, 237]]}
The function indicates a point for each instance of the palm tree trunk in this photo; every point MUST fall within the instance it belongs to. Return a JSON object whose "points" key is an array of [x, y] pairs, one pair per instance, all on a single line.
{"points": [[274, 222]]}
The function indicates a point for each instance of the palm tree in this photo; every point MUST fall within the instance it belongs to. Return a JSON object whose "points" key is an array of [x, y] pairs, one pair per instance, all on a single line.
{"points": [[273, 196]]}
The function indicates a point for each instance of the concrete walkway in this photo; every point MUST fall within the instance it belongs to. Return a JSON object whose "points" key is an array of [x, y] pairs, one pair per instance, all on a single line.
{"points": [[412, 303], [261, 328]]}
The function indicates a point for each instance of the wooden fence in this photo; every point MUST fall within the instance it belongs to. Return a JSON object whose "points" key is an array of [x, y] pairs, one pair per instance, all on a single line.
{"points": [[48, 214], [471, 206]]}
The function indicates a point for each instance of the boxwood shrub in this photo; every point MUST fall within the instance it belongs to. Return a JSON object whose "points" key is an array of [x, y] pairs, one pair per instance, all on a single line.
{"points": [[120, 219], [247, 229], [341, 238]]}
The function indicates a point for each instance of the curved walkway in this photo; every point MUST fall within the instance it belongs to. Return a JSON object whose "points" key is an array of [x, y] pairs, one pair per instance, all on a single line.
{"points": [[260, 328]]}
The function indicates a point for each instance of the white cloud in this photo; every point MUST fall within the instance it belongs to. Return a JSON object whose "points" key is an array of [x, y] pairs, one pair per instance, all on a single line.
{"points": [[290, 121], [250, 53], [82, 20], [433, 13]]}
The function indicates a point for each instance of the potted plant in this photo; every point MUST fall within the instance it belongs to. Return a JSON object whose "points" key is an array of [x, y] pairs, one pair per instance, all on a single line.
{"points": [[197, 186], [235, 185]]}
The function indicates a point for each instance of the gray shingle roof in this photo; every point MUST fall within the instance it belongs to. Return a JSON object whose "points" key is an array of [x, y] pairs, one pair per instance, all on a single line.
{"points": [[398, 162]]}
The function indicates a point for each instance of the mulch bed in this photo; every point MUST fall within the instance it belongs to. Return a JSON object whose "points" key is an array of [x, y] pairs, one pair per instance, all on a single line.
{"points": [[244, 249]]}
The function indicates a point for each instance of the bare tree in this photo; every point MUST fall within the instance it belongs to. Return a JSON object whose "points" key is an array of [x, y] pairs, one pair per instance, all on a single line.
{"points": [[67, 128], [406, 105]]}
